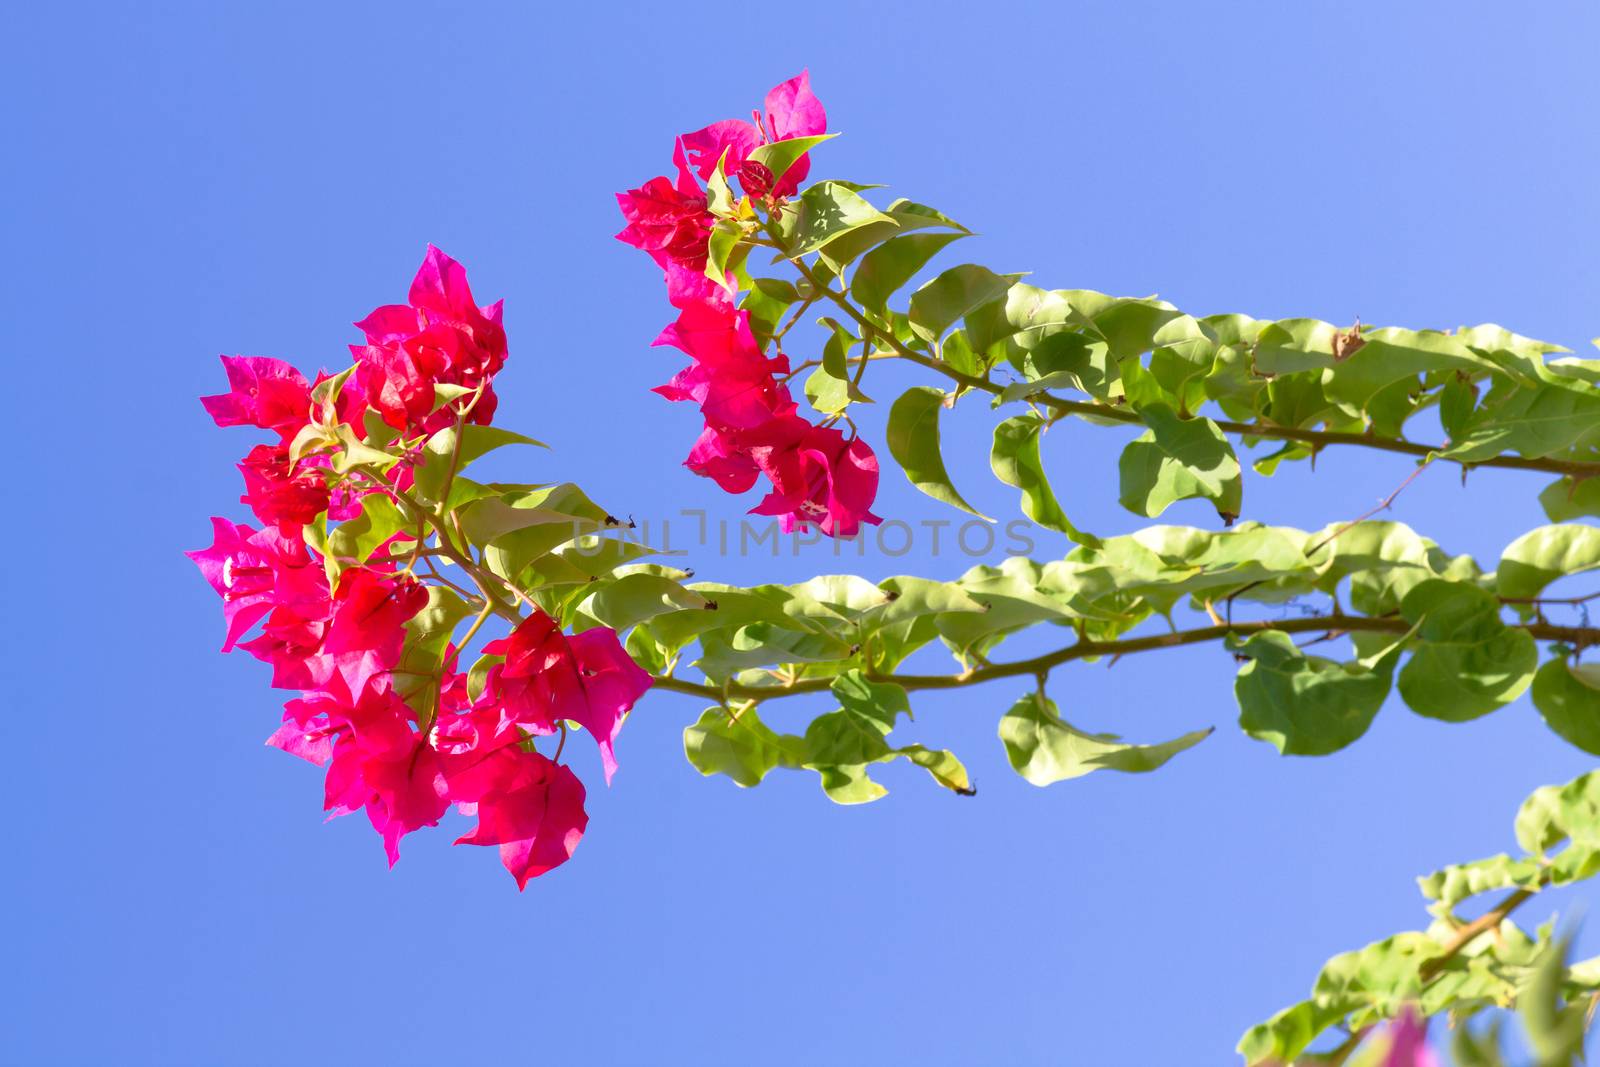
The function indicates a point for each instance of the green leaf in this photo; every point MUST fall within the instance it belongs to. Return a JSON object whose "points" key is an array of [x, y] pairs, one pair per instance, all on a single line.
{"points": [[1045, 749], [1457, 399], [1283, 1037], [475, 442], [315, 535], [724, 238], [1177, 459], [1555, 1027], [1015, 461], [892, 264], [586, 560], [634, 598], [418, 674], [822, 213], [325, 394], [909, 597], [942, 765], [354, 540], [1570, 706], [779, 156], [354, 452], [1306, 705], [491, 518], [1470, 1048], [719, 195], [478, 676], [444, 392], [1450, 886], [913, 439], [1388, 356], [940, 303], [739, 745], [1566, 499], [1467, 661], [1535, 418], [903, 216], [516, 528], [767, 301], [1542, 555], [830, 388], [840, 745], [313, 437], [1556, 813]]}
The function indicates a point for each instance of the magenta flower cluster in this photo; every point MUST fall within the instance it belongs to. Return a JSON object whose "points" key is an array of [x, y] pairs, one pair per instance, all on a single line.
{"points": [[340, 641], [753, 429]]}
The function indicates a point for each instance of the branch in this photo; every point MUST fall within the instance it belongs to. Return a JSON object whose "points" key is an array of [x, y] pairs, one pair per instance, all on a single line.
{"points": [[1086, 649], [1316, 438], [1489, 920]]}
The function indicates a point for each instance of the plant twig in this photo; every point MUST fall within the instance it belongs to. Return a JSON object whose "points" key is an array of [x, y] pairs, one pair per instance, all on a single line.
{"points": [[1465, 935], [1088, 649], [1316, 438]]}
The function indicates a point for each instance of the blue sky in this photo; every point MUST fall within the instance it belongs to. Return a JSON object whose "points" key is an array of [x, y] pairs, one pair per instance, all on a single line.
{"points": [[193, 179]]}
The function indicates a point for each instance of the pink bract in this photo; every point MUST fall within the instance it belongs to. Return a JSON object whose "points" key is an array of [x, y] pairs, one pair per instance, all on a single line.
{"points": [[547, 677], [792, 110], [669, 220], [441, 337], [263, 392], [752, 424], [1408, 1041]]}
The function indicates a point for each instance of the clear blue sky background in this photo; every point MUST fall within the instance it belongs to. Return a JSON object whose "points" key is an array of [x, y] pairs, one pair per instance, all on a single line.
{"points": [[185, 180]]}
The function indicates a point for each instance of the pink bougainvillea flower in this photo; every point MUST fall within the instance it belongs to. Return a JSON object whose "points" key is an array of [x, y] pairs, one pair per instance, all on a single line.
{"points": [[540, 826], [343, 641], [791, 111], [370, 611], [718, 456], [263, 392], [336, 644], [291, 643], [383, 765], [821, 479], [367, 631], [255, 570], [688, 287], [310, 738], [1408, 1041], [529, 806], [547, 676], [752, 425], [736, 397], [375, 760], [669, 220], [398, 382], [278, 495], [736, 385], [441, 336], [709, 329]]}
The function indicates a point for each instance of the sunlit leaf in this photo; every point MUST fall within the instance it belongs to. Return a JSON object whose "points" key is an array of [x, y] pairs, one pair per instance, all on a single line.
{"points": [[913, 438], [1044, 749]]}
